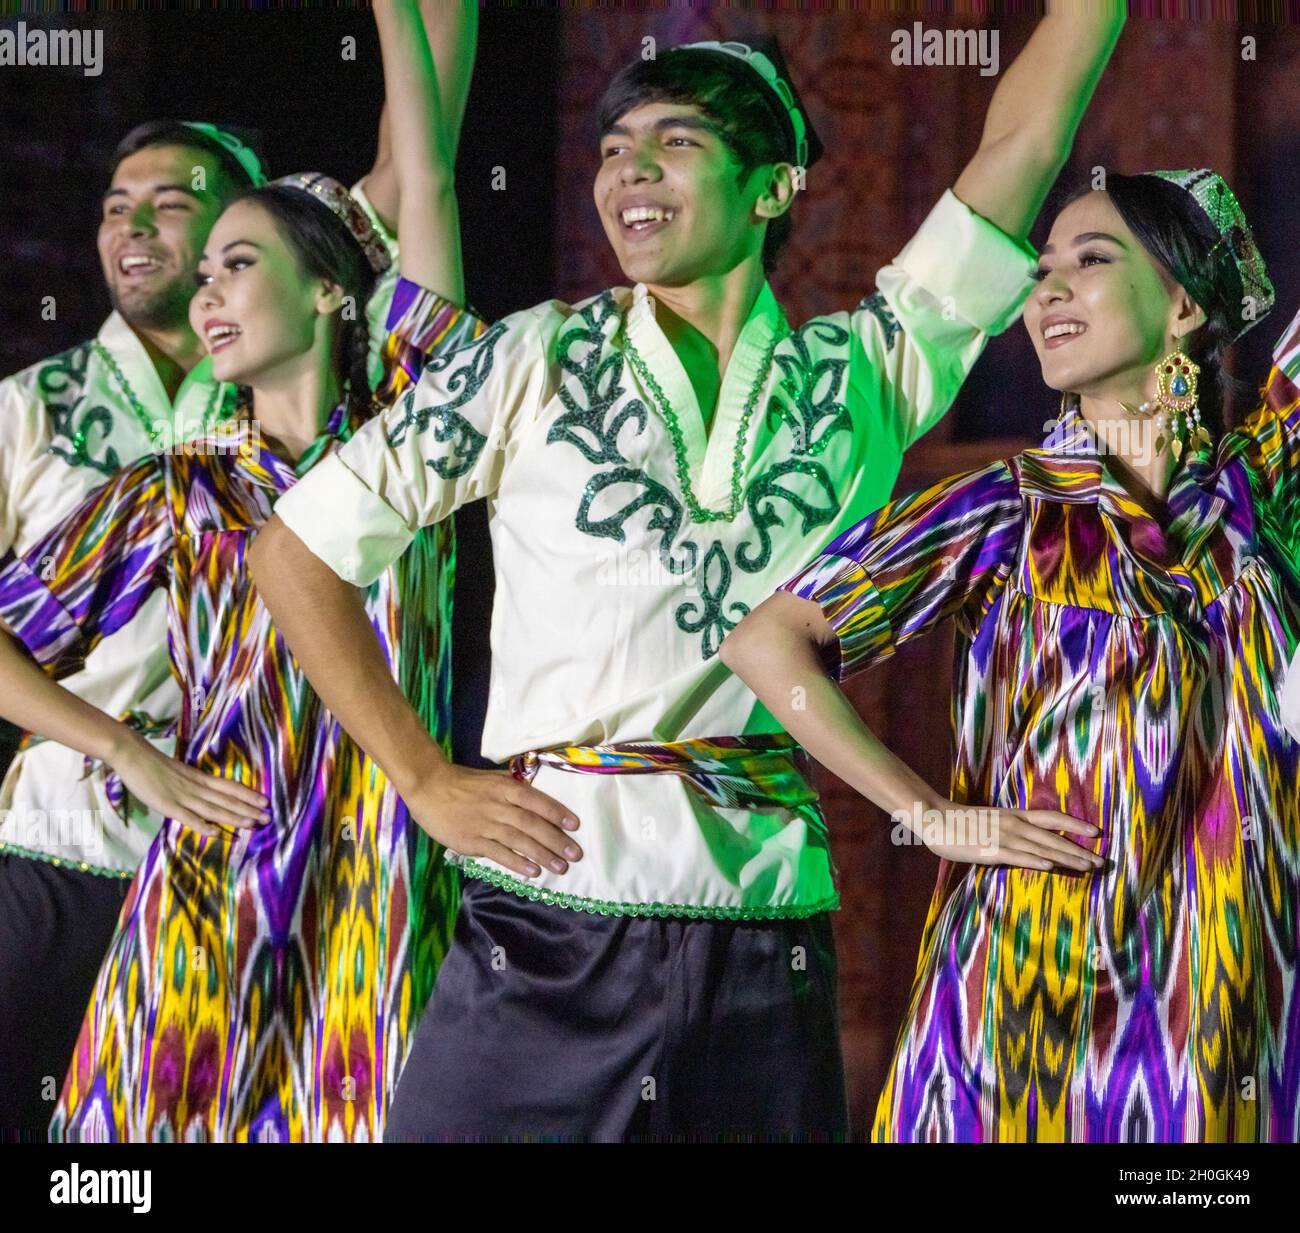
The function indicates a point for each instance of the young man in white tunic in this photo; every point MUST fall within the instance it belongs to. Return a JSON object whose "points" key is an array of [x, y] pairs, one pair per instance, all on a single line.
{"points": [[644, 946]]}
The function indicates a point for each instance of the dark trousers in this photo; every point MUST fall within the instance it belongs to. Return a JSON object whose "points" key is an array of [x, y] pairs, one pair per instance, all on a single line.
{"points": [[547, 1022], [55, 925]]}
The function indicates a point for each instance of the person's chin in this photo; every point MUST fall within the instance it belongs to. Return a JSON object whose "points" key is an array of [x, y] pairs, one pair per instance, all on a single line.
{"points": [[228, 368]]}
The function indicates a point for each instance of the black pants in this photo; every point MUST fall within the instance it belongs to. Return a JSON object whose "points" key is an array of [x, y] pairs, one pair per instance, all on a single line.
{"points": [[551, 1023], [55, 925]]}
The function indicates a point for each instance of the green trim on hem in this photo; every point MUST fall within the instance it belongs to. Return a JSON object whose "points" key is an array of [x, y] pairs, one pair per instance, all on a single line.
{"points": [[610, 907], [12, 849]]}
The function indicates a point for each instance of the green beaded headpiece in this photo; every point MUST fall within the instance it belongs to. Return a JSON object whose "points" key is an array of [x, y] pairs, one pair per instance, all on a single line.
{"points": [[1217, 201]]}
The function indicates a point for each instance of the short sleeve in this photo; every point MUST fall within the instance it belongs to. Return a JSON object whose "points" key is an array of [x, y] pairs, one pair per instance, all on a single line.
{"points": [[957, 282], [444, 443], [421, 325], [943, 551], [1273, 430], [89, 575]]}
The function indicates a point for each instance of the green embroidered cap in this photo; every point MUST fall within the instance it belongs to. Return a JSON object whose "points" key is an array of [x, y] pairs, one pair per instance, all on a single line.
{"points": [[241, 153], [1218, 202]]}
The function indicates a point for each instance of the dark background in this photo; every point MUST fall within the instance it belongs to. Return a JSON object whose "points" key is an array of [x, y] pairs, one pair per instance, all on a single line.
{"points": [[1178, 94]]}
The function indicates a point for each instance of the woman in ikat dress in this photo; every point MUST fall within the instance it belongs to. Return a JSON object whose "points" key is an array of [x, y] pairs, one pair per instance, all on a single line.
{"points": [[1115, 960], [267, 972]]}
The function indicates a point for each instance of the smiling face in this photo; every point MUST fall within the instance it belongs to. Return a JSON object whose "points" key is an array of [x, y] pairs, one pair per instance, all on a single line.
{"points": [[671, 200], [1104, 311], [255, 309], [152, 229]]}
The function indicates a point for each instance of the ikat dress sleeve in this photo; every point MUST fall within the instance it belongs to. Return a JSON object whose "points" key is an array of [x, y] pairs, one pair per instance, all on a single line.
{"points": [[1274, 453], [443, 443], [421, 326], [957, 282], [89, 575], [945, 551]]}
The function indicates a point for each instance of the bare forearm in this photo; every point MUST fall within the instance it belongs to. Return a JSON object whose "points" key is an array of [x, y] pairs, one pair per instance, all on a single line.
{"points": [[323, 620], [775, 652], [423, 156], [452, 31], [381, 180], [1035, 113], [37, 703]]}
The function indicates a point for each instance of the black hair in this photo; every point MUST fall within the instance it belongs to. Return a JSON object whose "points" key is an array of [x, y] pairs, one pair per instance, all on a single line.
{"points": [[1178, 234], [176, 133], [325, 248], [744, 114]]}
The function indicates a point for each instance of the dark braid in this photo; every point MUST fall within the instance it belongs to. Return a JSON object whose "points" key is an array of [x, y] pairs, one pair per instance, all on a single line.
{"points": [[353, 349]]}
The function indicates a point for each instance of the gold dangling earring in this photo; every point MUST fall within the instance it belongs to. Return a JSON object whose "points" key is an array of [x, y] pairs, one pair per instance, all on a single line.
{"points": [[1176, 384]]}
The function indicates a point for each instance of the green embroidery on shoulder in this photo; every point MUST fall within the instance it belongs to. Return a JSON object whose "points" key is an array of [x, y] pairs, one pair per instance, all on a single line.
{"points": [[475, 358], [807, 400], [878, 307], [61, 385]]}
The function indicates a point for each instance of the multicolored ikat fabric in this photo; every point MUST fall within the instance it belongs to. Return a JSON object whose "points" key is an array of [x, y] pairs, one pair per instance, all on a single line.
{"points": [[1124, 672], [261, 986]]}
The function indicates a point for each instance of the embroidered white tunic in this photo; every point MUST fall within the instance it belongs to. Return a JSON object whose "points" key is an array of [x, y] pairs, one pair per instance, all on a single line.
{"points": [[66, 426], [611, 597]]}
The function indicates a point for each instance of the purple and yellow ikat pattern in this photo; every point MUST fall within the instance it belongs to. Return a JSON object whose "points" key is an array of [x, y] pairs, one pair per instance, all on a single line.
{"points": [[1126, 671], [734, 772], [262, 985]]}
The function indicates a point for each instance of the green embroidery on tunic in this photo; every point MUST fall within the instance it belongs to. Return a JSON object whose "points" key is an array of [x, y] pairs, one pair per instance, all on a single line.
{"points": [[477, 358], [60, 384], [878, 307], [806, 399]]}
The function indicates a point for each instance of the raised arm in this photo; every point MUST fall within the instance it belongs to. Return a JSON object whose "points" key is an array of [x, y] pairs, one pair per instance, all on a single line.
{"points": [[451, 38], [422, 45], [1035, 112]]}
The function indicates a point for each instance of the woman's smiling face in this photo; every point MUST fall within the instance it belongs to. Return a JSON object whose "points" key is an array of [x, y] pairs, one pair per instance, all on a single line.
{"points": [[255, 309], [1104, 311]]}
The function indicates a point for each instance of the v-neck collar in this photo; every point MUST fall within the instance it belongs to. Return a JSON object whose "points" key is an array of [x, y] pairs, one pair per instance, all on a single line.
{"points": [[709, 457], [264, 467], [131, 357], [1200, 496]]}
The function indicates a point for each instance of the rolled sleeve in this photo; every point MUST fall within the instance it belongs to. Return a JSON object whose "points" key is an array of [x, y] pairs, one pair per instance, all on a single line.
{"points": [[964, 260], [34, 615], [349, 527], [852, 606]]}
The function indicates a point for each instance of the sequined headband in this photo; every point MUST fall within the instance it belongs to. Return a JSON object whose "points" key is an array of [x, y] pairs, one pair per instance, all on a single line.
{"points": [[1218, 203], [335, 198]]}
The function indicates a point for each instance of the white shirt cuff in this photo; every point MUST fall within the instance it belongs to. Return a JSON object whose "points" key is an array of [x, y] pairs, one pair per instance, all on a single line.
{"points": [[958, 254], [356, 533]]}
